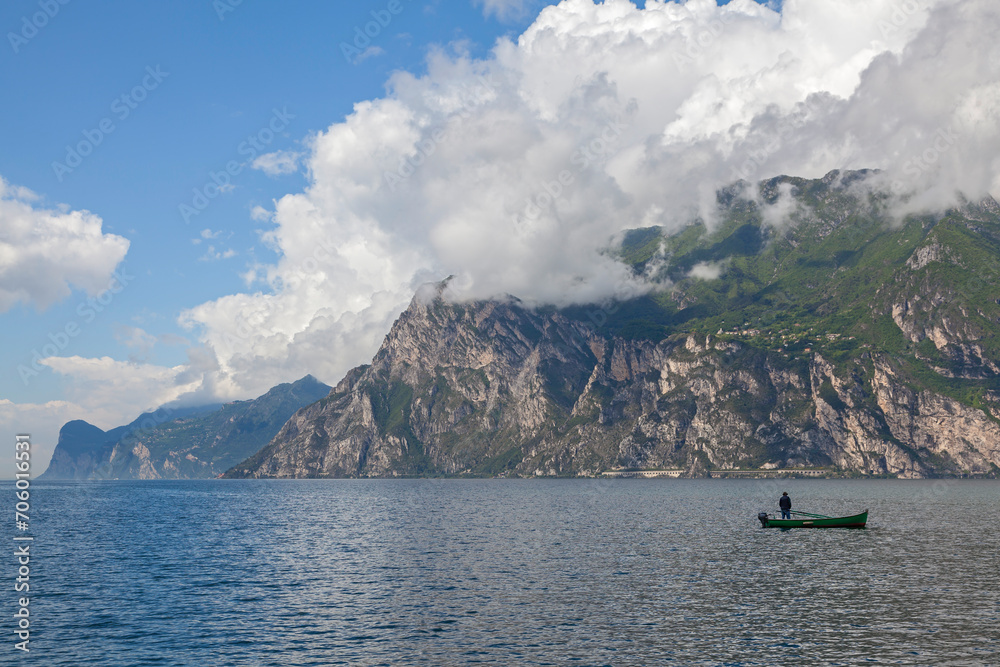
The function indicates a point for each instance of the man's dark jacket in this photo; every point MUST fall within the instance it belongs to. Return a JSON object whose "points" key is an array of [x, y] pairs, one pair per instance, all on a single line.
{"points": [[785, 503]]}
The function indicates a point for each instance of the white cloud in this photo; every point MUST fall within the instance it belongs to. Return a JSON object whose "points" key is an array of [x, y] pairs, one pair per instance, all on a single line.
{"points": [[212, 255], [784, 211], [505, 9], [513, 172], [137, 340], [42, 422], [104, 392], [708, 270], [206, 235], [110, 391], [280, 162], [46, 253], [370, 52], [260, 214]]}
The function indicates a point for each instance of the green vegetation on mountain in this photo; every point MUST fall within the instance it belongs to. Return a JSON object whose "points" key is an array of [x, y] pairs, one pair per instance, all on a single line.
{"points": [[825, 281], [805, 326]]}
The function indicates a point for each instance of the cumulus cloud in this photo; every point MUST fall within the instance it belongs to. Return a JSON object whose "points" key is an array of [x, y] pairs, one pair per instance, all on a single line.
{"points": [[46, 253], [115, 392], [512, 173], [280, 162], [260, 214], [104, 392]]}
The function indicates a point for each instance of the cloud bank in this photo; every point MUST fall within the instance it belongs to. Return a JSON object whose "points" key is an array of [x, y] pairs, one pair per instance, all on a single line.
{"points": [[512, 173], [102, 391], [45, 253]]}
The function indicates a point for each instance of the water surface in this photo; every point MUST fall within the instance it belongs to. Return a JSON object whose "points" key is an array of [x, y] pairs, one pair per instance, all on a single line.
{"points": [[533, 572]]}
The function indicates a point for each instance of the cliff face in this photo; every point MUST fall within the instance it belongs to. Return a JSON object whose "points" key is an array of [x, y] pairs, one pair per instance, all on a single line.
{"points": [[452, 388], [840, 339], [81, 449], [185, 443], [496, 388]]}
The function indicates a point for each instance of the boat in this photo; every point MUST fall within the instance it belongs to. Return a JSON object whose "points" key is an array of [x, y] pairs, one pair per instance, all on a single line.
{"points": [[806, 520]]}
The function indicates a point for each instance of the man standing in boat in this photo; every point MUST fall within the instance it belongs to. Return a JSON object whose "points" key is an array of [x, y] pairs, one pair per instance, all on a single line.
{"points": [[785, 503]]}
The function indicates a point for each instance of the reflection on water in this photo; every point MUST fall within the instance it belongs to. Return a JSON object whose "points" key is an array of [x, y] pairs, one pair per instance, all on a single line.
{"points": [[447, 572]]}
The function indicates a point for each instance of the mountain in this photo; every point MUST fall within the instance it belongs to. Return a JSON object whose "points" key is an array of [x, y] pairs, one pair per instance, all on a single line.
{"points": [[830, 336], [80, 450], [183, 443]]}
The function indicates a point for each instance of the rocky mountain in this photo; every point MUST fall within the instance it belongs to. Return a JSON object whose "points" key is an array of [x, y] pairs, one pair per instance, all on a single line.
{"points": [[81, 449], [186, 443], [829, 335]]}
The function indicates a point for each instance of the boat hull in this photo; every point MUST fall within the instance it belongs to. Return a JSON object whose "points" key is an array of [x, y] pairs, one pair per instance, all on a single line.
{"points": [[856, 521]]}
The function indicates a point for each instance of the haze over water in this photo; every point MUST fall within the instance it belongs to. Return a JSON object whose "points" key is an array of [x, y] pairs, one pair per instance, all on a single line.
{"points": [[449, 572]]}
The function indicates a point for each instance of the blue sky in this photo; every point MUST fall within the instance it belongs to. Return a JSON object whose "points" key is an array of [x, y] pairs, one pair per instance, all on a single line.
{"points": [[431, 150], [226, 69], [223, 68]]}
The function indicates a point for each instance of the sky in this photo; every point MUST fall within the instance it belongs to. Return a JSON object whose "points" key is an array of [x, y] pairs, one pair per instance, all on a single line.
{"points": [[202, 199]]}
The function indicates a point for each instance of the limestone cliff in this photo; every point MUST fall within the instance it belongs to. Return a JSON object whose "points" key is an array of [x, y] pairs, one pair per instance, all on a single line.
{"points": [[840, 337], [492, 388]]}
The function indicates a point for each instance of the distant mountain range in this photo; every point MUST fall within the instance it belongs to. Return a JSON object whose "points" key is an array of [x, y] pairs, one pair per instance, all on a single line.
{"points": [[831, 336], [186, 443]]}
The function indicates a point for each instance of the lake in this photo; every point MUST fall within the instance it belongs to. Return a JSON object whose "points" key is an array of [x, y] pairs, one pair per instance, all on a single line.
{"points": [[507, 572]]}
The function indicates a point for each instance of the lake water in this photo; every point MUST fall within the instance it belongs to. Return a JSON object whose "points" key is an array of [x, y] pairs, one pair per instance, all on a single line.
{"points": [[507, 572]]}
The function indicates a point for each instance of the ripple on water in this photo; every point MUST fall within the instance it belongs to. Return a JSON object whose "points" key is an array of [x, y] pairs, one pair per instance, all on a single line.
{"points": [[432, 572]]}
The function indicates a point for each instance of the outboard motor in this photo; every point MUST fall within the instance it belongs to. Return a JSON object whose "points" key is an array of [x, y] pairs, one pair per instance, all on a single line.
{"points": [[763, 519]]}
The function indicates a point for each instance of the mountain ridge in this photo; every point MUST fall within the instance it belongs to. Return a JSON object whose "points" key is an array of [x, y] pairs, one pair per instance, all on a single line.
{"points": [[179, 443], [834, 336]]}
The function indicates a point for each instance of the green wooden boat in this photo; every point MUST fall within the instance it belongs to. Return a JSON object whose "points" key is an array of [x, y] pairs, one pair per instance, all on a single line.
{"points": [[806, 520]]}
